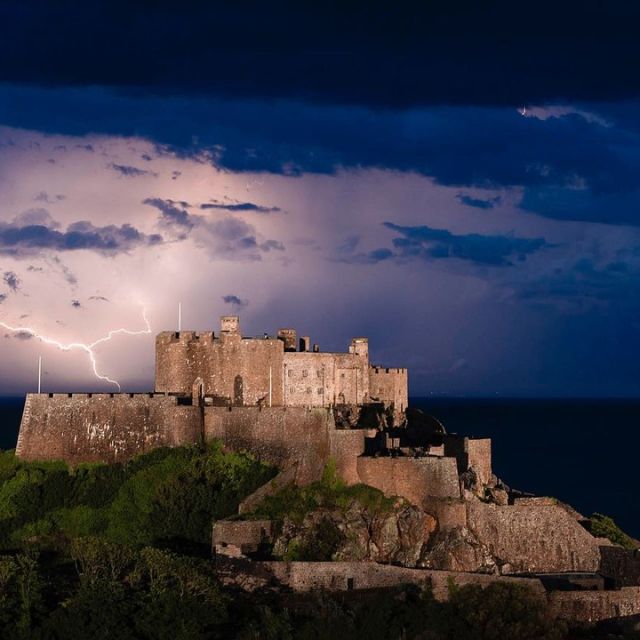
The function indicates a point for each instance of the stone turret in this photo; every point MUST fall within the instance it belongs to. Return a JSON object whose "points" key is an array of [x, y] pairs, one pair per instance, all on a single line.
{"points": [[230, 325], [288, 336]]}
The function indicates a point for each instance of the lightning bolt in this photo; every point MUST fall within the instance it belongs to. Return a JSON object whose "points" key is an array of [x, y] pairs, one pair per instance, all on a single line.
{"points": [[87, 348]]}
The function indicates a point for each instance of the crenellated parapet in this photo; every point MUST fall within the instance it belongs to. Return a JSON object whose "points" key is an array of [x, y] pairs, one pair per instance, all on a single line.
{"points": [[104, 427], [390, 385], [271, 371]]}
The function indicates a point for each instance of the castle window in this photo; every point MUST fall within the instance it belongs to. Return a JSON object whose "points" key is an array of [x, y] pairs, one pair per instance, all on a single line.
{"points": [[290, 373], [292, 391], [319, 373], [308, 390], [320, 390], [305, 373]]}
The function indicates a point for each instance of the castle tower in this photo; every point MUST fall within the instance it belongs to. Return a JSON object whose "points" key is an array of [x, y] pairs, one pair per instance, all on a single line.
{"points": [[360, 347], [230, 325], [288, 336]]}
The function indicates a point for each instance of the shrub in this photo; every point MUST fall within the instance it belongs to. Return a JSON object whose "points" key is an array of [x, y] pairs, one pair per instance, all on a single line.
{"points": [[330, 492], [498, 611], [604, 527]]}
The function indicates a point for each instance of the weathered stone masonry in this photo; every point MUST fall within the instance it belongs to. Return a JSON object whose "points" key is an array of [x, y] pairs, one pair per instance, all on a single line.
{"points": [[254, 393], [86, 427]]}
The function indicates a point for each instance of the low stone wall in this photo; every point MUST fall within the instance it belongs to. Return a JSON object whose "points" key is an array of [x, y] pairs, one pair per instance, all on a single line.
{"points": [[344, 576], [534, 538], [277, 435], [247, 535], [593, 606], [103, 427], [620, 565], [416, 479], [284, 478]]}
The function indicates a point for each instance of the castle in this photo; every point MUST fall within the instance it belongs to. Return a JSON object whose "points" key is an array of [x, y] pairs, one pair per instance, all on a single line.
{"points": [[298, 408], [268, 371], [262, 393]]}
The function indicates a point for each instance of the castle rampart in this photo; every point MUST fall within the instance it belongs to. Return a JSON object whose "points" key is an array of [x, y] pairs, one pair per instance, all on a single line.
{"points": [[85, 427], [284, 436], [416, 479], [532, 538]]}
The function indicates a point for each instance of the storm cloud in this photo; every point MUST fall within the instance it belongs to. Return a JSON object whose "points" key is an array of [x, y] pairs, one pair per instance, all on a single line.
{"points": [[227, 238], [35, 232], [426, 243], [240, 207]]}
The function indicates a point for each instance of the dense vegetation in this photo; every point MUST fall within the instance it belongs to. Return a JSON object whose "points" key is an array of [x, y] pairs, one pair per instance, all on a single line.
{"points": [[330, 492], [122, 551], [605, 527], [168, 497]]}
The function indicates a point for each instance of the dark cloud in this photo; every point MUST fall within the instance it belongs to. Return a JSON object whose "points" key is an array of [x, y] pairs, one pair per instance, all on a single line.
{"points": [[43, 196], [32, 232], [67, 274], [235, 301], [130, 172], [76, 304], [585, 282], [240, 207], [35, 269], [366, 53], [11, 280], [99, 298], [426, 243], [171, 214], [229, 237], [478, 203], [571, 165], [3, 297]]}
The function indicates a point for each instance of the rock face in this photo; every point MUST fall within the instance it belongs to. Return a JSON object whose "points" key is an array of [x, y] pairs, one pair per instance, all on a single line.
{"points": [[458, 549], [398, 536]]}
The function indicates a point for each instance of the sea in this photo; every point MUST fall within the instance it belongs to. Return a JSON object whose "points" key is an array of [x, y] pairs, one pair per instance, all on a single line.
{"points": [[583, 452]]}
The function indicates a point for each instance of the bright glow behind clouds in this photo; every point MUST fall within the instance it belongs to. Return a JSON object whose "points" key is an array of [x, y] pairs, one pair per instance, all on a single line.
{"points": [[300, 251]]}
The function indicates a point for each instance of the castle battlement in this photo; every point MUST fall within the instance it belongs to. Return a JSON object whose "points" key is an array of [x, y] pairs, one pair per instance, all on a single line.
{"points": [[243, 371], [277, 388]]}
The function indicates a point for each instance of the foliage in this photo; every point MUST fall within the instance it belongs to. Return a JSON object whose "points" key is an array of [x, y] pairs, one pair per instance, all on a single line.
{"points": [[162, 497], [98, 551], [498, 611], [604, 527], [330, 492]]}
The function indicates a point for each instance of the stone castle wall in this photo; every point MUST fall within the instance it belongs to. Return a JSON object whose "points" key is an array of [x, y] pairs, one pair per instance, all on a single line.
{"points": [[323, 379], [594, 606], [234, 370], [389, 386], [103, 427], [534, 538], [269, 371], [283, 436], [472, 453], [346, 576], [416, 479]]}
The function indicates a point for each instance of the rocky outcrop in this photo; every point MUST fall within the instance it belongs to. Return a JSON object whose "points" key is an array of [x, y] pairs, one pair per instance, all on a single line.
{"points": [[458, 549], [398, 536]]}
